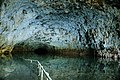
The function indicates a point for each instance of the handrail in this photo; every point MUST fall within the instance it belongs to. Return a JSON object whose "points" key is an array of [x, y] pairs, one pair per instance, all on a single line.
{"points": [[41, 69]]}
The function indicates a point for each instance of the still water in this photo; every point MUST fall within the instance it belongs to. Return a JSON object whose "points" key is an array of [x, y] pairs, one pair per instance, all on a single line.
{"points": [[60, 68]]}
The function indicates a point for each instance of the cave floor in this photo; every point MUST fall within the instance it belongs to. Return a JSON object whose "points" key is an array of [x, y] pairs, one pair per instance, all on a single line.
{"points": [[60, 68]]}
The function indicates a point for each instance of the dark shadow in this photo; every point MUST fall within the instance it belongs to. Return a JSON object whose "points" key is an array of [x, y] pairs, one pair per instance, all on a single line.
{"points": [[1, 1], [92, 52], [1, 78], [41, 51], [113, 3]]}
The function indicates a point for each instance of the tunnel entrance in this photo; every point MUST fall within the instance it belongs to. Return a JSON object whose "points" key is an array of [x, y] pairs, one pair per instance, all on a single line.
{"points": [[41, 51]]}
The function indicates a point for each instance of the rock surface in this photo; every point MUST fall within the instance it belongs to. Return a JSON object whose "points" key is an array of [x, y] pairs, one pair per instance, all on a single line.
{"points": [[60, 24]]}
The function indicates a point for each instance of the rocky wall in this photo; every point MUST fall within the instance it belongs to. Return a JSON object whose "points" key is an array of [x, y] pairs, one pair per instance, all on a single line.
{"points": [[60, 24]]}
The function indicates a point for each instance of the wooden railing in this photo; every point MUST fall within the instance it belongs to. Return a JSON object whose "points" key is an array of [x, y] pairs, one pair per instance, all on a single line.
{"points": [[41, 70]]}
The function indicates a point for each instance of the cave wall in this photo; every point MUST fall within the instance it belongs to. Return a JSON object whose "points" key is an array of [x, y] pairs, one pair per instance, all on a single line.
{"points": [[60, 24]]}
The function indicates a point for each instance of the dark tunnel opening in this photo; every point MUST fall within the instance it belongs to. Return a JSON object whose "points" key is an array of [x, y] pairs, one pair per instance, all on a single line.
{"points": [[41, 51]]}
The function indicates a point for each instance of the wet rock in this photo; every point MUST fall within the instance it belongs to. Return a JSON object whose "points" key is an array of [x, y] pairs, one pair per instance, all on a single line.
{"points": [[59, 25]]}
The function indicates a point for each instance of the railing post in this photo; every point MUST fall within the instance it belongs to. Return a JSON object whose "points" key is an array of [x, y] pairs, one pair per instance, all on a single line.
{"points": [[41, 74]]}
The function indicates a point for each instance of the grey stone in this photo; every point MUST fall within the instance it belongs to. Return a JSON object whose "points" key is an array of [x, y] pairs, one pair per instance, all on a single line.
{"points": [[47, 23]]}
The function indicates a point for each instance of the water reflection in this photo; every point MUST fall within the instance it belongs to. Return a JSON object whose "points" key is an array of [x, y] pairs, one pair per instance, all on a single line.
{"points": [[64, 68], [83, 69]]}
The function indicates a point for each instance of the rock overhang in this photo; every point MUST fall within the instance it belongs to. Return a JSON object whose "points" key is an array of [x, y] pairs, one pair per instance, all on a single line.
{"points": [[60, 27]]}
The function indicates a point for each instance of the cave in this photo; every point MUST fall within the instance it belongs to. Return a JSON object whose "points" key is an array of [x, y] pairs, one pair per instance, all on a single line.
{"points": [[41, 51], [59, 39]]}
